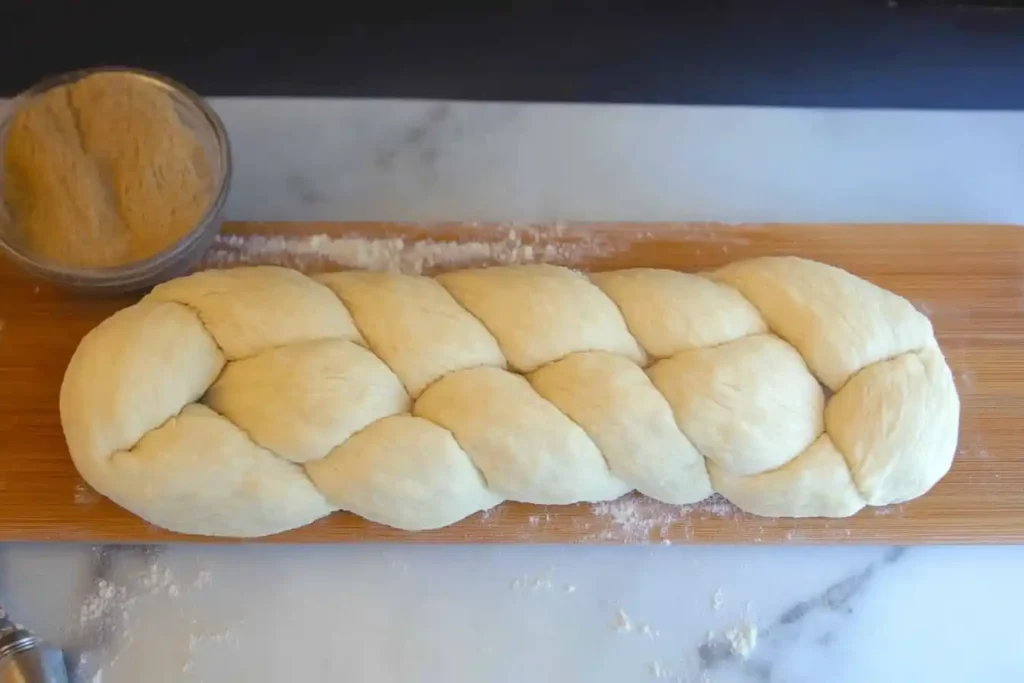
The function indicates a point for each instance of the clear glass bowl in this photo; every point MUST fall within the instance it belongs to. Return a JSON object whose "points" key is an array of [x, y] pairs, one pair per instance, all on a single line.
{"points": [[177, 258]]}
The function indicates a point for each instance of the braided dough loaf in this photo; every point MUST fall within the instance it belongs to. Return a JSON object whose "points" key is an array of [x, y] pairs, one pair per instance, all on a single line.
{"points": [[250, 401]]}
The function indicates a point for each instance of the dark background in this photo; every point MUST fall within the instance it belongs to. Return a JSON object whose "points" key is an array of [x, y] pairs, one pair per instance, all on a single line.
{"points": [[785, 53]]}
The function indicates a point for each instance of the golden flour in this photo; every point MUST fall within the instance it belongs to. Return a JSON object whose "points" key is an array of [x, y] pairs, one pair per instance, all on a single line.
{"points": [[103, 172]]}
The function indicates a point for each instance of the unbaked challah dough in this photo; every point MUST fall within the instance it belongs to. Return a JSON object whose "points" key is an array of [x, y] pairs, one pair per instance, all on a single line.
{"points": [[250, 401]]}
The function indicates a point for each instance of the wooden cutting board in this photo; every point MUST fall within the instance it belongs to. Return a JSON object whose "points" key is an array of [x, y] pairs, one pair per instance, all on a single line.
{"points": [[968, 278]]}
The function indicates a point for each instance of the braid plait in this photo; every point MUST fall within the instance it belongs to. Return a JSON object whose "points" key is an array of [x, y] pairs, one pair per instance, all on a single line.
{"points": [[250, 401]]}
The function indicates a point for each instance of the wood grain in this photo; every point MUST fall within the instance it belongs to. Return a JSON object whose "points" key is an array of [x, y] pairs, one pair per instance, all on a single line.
{"points": [[967, 278]]}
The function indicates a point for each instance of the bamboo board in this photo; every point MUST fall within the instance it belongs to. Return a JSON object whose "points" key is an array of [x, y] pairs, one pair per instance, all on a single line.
{"points": [[967, 278]]}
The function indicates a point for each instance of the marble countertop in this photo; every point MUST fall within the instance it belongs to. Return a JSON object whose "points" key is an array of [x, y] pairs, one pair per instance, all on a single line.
{"points": [[388, 613]]}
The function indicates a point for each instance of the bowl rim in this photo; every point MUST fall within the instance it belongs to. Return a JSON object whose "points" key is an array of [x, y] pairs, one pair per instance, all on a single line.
{"points": [[135, 270]]}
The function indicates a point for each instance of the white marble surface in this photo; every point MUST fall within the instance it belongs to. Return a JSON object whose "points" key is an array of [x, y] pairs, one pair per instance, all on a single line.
{"points": [[433, 161], [486, 613]]}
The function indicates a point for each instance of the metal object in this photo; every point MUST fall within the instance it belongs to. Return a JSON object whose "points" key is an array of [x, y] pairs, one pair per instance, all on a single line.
{"points": [[26, 658]]}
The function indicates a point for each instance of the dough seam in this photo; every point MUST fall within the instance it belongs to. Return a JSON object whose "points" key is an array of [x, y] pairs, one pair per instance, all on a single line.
{"points": [[497, 342], [597, 446], [455, 438], [879, 482], [112, 456], [649, 358], [767, 326], [199, 314], [297, 465]]}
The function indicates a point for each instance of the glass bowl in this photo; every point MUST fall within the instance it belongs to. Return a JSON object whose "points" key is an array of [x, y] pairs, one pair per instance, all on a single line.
{"points": [[178, 257]]}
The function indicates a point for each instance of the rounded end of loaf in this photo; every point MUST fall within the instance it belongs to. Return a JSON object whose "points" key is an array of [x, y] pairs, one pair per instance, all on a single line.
{"points": [[137, 435]]}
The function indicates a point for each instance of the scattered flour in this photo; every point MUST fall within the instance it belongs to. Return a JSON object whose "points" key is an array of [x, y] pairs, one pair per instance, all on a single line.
{"points": [[157, 578], [715, 506], [197, 642], [105, 614], [203, 579], [527, 244], [536, 582], [635, 518], [649, 633], [623, 624], [85, 495], [104, 600], [717, 600], [660, 672], [742, 639]]}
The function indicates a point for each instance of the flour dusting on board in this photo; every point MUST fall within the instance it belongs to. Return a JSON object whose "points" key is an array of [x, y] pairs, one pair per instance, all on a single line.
{"points": [[635, 518], [85, 495], [532, 244]]}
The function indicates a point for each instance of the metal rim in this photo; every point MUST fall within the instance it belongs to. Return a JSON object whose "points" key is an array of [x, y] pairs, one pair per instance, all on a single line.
{"points": [[27, 642]]}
